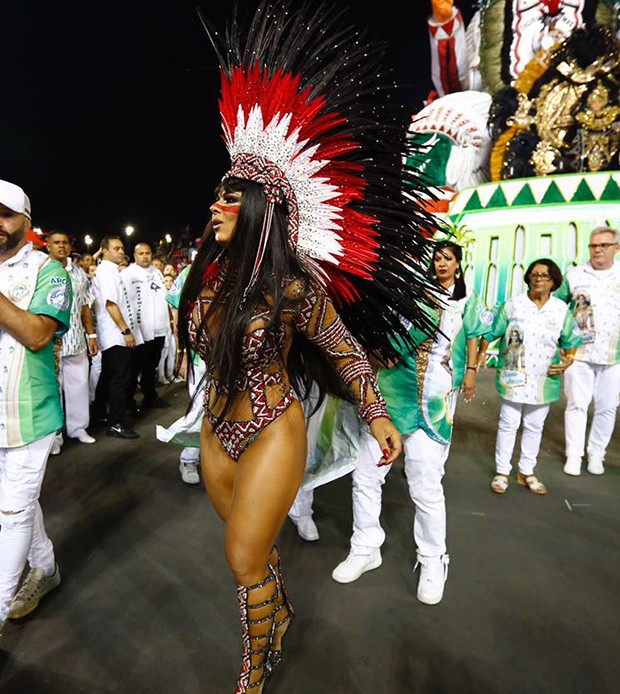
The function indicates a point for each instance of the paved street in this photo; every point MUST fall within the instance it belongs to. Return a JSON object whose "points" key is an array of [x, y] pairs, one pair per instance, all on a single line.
{"points": [[146, 606]]}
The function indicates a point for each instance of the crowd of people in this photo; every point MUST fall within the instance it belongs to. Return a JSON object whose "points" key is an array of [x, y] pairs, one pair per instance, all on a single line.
{"points": [[314, 279], [540, 336], [537, 337]]}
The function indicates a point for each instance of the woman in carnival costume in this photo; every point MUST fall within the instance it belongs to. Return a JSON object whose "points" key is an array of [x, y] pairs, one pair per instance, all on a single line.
{"points": [[315, 250]]}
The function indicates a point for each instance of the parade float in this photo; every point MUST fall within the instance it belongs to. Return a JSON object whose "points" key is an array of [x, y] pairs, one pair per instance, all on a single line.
{"points": [[526, 164]]}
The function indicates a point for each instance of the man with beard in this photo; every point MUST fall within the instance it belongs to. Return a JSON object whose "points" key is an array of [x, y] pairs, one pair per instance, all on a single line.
{"points": [[35, 302]]}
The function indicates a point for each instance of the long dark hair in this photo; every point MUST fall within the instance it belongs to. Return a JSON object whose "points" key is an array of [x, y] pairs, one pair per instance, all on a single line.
{"points": [[305, 363], [460, 289]]}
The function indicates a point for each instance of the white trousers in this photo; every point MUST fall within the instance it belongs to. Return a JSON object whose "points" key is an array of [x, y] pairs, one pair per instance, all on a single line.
{"points": [[95, 372], [167, 361], [302, 504], [74, 385], [583, 383], [510, 416], [424, 466], [22, 532], [190, 455]]}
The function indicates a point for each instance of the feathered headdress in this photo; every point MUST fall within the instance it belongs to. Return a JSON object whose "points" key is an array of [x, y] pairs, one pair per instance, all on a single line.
{"points": [[309, 112]]}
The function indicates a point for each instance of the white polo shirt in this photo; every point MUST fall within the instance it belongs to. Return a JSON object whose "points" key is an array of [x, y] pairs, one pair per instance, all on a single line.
{"points": [[147, 295], [108, 286]]}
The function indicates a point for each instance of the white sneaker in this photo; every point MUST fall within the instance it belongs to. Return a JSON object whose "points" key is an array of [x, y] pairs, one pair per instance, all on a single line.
{"points": [[35, 586], [56, 447], [306, 528], [189, 473], [86, 438], [355, 565], [595, 466], [573, 466], [433, 575]]}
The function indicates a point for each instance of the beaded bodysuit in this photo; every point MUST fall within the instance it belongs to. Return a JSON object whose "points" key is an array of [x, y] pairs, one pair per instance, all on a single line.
{"points": [[263, 388]]}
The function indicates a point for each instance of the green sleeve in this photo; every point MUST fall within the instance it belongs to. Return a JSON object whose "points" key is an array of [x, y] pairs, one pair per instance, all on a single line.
{"points": [[417, 335], [173, 297], [476, 317], [53, 295], [563, 292], [499, 326]]}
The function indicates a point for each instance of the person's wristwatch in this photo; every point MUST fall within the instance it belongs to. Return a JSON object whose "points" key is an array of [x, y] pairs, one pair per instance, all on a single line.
{"points": [[127, 331]]}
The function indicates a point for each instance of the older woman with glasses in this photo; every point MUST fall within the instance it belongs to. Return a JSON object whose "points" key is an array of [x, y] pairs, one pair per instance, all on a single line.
{"points": [[544, 331]]}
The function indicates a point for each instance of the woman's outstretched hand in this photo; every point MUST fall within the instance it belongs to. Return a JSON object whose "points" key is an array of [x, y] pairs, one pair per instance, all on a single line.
{"points": [[388, 438]]}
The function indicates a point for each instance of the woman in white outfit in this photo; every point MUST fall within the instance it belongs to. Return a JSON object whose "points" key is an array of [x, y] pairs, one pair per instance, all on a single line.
{"points": [[421, 393], [547, 337]]}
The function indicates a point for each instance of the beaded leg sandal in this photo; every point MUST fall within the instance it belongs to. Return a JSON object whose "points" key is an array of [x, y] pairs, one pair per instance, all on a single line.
{"points": [[284, 611], [257, 607]]}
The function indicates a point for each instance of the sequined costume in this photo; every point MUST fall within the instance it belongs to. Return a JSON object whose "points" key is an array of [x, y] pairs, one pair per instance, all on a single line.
{"points": [[264, 390]]}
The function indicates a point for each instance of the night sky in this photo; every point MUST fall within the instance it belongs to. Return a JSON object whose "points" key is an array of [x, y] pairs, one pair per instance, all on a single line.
{"points": [[109, 109]]}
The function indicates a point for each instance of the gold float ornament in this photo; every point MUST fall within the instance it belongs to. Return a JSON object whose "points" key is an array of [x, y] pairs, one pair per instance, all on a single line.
{"points": [[555, 106], [544, 158], [600, 121]]}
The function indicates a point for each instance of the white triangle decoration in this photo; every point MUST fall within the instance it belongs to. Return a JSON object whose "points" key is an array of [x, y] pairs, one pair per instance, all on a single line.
{"points": [[512, 188], [485, 193], [568, 184], [597, 183], [460, 201], [539, 186]]}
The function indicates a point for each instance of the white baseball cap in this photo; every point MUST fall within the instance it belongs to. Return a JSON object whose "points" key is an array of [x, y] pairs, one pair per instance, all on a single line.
{"points": [[14, 198]]}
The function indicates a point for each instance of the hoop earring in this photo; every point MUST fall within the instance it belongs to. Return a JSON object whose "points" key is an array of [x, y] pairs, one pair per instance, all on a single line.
{"points": [[458, 274]]}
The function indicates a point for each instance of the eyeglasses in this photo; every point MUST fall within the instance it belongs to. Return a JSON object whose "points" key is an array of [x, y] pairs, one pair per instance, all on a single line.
{"points": [[540, 276], [602, 246]]}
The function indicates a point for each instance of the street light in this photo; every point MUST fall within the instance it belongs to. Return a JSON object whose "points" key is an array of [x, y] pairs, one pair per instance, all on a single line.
{"points": [[129, 230], [88, 240], [168, 238]]}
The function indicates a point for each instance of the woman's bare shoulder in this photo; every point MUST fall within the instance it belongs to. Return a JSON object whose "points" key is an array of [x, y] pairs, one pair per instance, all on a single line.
{"points": [[296, 289]]}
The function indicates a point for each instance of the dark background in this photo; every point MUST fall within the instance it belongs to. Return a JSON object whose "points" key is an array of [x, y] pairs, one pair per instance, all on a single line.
{"points": [[109, 109]]}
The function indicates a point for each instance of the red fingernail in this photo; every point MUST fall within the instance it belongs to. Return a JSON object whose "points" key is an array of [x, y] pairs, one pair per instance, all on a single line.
{"points": [[386, 452]]}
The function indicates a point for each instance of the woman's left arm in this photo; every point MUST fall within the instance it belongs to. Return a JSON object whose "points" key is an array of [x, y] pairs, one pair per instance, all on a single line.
{"points": [[471, 369], [319, 321]]}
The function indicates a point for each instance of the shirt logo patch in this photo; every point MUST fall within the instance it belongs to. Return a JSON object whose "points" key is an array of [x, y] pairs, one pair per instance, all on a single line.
{"points": [[59, 298], [18, 291], [487, 317]]}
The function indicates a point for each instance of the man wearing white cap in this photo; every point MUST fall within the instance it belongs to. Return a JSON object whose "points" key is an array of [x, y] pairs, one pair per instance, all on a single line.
{"points": [[35, 302]]}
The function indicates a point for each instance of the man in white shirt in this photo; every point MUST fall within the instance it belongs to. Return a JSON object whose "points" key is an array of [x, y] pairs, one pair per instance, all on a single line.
{"points": [[35, 301], [593, 290], [147, 294], [77, 343], [118, 334]]}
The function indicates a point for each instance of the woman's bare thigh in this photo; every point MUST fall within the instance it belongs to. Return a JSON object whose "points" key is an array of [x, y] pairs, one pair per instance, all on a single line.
{"points": [[254, 496]]}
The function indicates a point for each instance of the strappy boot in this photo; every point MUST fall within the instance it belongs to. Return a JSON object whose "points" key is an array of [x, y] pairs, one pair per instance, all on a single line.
{"points": [[284, 613], [257, 607]]}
